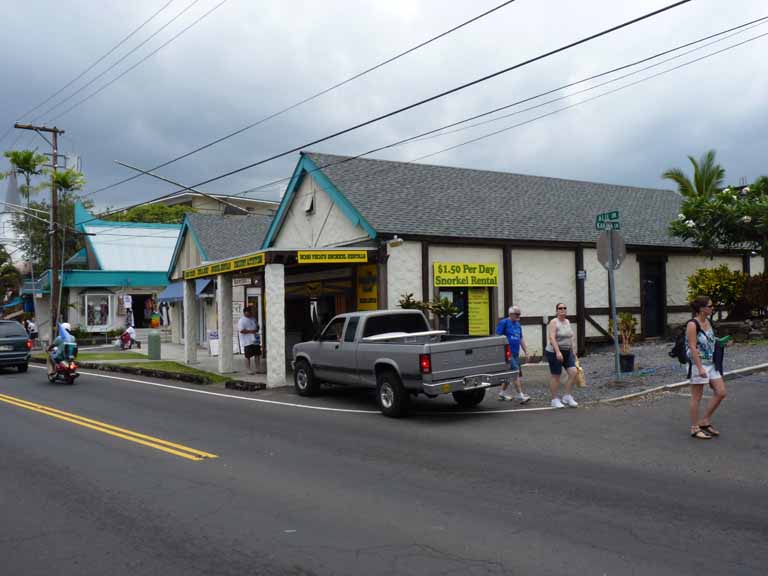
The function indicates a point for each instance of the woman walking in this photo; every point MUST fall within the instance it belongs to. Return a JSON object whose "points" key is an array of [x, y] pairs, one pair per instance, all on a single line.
{"points": [[561, 353], [700, 346]]}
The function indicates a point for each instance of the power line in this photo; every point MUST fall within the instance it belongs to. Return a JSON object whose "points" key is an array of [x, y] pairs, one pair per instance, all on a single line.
{"points": [[456, 89], [121, 59], [147, 57], [441, 94], [92, 66], [307, 99]]}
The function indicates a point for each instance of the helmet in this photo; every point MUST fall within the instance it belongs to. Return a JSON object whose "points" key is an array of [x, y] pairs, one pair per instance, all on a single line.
{"points": [[66, 326]]}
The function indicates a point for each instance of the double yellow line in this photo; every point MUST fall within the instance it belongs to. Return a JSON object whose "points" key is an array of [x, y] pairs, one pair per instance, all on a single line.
{"points": [[150, 441]]}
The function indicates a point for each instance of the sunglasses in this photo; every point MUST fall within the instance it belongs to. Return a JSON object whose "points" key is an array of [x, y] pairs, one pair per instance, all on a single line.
{"points": [[562, 308]]}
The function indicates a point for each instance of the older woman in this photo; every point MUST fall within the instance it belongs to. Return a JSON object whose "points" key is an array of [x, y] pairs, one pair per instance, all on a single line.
{"points": [[561, 353]]}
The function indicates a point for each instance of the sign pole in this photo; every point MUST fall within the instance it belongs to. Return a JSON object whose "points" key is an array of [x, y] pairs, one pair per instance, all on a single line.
{"points": [[612, 289]]}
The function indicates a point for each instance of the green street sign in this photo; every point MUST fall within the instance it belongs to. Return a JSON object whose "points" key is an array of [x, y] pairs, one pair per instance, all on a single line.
{"points": [[608, 221]]}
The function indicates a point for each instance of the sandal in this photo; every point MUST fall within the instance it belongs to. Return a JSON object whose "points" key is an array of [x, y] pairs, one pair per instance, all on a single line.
{"points": [[709, 429], [697, 432]]}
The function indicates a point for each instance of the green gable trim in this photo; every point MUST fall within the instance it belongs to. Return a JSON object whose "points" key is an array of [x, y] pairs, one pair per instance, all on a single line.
{"points": [[114, 279], [185, 227], [306, 167]]}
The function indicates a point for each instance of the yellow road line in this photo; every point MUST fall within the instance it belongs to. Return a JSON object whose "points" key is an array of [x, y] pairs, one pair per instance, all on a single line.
{"points": [[150, 441]]}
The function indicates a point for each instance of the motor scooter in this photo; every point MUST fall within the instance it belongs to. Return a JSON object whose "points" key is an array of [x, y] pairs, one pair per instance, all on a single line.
{"points": [[64, 365]]}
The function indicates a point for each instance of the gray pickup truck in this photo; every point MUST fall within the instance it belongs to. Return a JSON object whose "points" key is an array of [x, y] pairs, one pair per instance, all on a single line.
{"points": [[397, 352]]}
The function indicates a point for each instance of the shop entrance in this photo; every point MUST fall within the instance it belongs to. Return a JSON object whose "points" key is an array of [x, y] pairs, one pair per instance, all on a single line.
{"points": [[474, 315], [141, 306]]}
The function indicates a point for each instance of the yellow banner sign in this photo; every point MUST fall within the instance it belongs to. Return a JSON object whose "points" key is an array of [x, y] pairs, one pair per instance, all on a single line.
{"points": [[233, 265], [465, 274], [479, 315], [367, 288], [332, 256]]}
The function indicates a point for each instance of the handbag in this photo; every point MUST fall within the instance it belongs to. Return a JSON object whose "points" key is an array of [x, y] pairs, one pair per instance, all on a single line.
{"points": [[581, 379]]}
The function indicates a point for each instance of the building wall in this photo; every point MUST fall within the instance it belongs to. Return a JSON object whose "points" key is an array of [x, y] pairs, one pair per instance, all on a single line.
{"points": [[596, 288], [325, 226], [189, 257], [403, 272], [541, 279], [757, 265]]}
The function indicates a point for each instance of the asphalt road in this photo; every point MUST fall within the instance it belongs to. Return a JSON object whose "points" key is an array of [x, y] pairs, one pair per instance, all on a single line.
{"points": [[601, 490]]}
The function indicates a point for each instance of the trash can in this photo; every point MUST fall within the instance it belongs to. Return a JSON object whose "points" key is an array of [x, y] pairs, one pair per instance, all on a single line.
{"points": [[153, 345]]}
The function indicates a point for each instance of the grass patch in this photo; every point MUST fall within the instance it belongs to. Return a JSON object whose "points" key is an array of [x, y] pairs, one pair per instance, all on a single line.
{"points": [[96, 356], [175, 367]]}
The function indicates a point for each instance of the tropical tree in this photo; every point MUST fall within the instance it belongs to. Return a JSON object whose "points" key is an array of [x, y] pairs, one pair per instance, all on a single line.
{"points": [[28, 163], [154, 213], [10, 278]]}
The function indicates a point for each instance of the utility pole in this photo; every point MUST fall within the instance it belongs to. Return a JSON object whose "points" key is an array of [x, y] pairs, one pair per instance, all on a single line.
{"points": [[54, 224]]}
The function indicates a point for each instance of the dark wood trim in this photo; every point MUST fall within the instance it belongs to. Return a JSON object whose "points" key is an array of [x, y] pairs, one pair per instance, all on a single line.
{"points": [[597, 327], [425, 291], [746, 264], [382, 281], [678, 309], [507, 269], [606, 311], [580, 298]]}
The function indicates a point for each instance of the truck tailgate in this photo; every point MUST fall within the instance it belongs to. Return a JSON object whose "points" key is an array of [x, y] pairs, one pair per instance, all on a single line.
{"points": [[459, 358]]}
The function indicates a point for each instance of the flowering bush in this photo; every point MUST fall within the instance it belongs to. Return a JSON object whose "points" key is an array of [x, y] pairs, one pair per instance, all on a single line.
{"points": [[724, 286]]}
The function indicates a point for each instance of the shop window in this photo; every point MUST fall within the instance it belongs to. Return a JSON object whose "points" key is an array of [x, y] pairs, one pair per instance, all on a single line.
{"points": [[474, 315], [97, 310]]}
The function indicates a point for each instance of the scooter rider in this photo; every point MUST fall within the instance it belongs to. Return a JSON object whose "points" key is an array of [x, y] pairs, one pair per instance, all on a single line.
{"points": [[62, 348]]}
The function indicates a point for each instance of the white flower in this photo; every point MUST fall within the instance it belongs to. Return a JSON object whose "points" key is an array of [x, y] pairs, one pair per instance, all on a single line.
{"points": [[726, 191], [690, 223], [745, 219], [746, 189], [681, 216]]}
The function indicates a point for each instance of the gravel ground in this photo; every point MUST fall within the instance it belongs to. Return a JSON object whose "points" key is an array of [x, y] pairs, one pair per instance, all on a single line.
{"points": [[653, 367]]}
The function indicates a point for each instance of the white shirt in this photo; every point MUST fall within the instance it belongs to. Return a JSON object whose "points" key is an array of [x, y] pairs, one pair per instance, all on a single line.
{"points": [[130, 330], [247, 324]]}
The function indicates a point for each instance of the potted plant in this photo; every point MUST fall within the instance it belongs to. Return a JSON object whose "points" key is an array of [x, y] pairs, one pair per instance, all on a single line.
{"points": [[627, 325], [443, 309]]}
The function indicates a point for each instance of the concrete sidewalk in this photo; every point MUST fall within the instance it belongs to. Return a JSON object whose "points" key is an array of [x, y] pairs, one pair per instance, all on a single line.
{"points": [[208, 363]]}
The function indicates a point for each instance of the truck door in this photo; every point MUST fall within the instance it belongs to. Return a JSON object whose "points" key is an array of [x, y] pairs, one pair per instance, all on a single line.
{"points": [[327, 358]]}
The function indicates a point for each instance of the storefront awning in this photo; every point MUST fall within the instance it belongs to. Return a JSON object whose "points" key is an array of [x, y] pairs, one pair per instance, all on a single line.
{"points": [[174, 292]]}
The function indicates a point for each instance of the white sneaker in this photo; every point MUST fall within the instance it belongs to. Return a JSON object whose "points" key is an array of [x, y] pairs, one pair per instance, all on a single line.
{"points": [[569, 401], [523, 398], [556, 403], [503, 396]]}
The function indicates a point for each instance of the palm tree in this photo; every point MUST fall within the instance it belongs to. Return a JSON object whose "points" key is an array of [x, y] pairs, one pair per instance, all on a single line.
{"points": [[707, 181], [27, 163]]}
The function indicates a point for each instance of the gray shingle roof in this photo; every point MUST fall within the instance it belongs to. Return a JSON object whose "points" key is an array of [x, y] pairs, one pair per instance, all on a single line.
{"points": [[403, 198], [229, 236]]}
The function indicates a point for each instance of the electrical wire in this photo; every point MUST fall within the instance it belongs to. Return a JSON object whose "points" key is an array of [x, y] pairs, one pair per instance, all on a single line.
{"points": [[91, 67], [431, 98], [117, 62], [308, 98]]}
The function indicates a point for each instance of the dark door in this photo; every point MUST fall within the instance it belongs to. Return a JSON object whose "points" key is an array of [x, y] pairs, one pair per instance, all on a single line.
{"points": [[653, 294]]}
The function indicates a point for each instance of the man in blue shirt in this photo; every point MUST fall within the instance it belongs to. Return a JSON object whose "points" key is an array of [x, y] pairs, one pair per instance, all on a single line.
{"points": [[511, 328]]}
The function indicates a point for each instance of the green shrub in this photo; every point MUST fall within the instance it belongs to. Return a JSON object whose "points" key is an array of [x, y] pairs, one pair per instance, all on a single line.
{"points": [[756, 292], [724, 286]]}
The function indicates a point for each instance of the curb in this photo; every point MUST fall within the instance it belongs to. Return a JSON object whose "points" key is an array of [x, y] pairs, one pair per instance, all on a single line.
{"points": [[164, 374], [666, 387]]}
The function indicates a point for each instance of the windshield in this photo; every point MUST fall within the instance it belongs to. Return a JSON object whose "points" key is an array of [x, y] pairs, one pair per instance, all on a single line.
{"points": [[12, 330]]}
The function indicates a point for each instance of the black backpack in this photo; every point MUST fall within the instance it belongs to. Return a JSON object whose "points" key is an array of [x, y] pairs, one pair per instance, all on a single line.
{"points": [[678, 349]]}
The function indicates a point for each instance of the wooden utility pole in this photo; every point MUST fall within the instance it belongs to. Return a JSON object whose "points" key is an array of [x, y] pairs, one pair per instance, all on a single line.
{"points": [[54, 223]]}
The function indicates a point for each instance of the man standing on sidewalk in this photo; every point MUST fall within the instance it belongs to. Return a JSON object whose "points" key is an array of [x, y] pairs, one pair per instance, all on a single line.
{"points": [[248, 331], [511, 328]]}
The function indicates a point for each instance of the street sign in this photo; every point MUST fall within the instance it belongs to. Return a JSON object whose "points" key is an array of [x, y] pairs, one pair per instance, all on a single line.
{"points": [[608, 221], [611, 250]]}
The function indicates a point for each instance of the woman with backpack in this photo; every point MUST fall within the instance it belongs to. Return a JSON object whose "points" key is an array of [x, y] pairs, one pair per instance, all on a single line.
{"points": [[700, 346]]}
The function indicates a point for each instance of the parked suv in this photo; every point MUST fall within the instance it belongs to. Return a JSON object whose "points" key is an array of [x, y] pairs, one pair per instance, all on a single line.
{"points": [[15, 345]]}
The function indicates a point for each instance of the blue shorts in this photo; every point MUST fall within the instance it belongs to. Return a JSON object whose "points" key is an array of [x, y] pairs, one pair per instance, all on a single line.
{"points": [[556, 367], [514, 363]]}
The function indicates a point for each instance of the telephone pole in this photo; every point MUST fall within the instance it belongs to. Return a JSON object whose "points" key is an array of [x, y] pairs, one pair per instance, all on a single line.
{"points": [[54, 225]]}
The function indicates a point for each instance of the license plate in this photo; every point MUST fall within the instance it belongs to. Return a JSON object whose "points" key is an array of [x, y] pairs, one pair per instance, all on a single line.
{"points": [[6, 348], [472, 381]]}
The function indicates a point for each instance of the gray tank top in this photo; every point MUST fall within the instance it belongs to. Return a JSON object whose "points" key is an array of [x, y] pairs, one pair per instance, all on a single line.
{"points": [[563, 335]]}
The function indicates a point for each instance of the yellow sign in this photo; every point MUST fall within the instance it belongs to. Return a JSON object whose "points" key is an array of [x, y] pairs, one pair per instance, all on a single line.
{"points": [[367, 288], [465, 274], [233, 265], [332, 256], [479, 315]]}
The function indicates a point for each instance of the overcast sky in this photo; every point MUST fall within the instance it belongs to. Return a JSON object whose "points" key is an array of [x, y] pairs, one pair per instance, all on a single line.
{"points": [[249, 59]]}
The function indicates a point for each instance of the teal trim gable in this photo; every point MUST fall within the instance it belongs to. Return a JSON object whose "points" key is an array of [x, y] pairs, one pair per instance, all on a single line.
{"points": [[185, 227], [306, 167], [109, 279]]}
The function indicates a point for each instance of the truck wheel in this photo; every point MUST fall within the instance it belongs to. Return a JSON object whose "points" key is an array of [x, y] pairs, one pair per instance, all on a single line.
{"points": [[304, 379], [23, 367], [469, 398], [392, 397]]}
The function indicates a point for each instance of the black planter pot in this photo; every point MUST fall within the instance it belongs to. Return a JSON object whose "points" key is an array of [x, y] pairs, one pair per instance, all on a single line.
{"points": [[627, 362]]}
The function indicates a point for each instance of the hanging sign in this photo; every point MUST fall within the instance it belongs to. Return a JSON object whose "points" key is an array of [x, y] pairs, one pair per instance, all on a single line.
{"points": [[465, 274], [367, 288], [478, 318], [232, 265], [331, 256]]}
